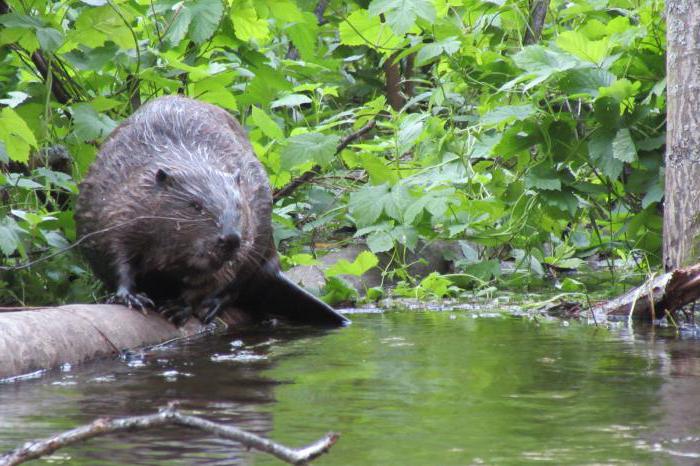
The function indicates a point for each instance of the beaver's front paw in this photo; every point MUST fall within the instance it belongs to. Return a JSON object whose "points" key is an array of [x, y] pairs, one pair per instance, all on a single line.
{"points": [[138, 301]]}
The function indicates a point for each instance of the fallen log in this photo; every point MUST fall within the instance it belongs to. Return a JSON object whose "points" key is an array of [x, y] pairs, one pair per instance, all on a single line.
{"points": [[658, 297], [33, 339]]}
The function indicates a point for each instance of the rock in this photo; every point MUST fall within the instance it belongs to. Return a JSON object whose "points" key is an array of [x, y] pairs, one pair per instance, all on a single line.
{"points": [[436, 256]]}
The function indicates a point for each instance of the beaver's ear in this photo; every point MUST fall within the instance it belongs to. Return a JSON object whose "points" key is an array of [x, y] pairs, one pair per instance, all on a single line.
{"points": [[162, 177]]}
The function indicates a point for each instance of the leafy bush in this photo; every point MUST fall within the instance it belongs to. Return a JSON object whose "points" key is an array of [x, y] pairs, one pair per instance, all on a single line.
{"points": [[544, 153]]}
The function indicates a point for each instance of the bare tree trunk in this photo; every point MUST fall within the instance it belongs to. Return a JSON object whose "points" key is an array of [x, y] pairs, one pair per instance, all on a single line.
{"points": [[538, 13], [392, 70], [409, 85], [682, 207]]}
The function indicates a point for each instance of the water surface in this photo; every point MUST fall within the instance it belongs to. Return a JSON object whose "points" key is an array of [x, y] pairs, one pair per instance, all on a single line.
{"points": [[418, 388]]}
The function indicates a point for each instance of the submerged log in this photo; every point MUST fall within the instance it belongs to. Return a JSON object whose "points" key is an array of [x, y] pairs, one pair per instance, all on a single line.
{"points": [[39, 338]]}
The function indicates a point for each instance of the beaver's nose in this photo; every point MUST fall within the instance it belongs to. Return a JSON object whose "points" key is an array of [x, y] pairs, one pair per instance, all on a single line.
{"points": [[230, 241]]}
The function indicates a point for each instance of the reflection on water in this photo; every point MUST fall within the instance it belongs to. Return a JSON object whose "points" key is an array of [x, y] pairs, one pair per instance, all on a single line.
{"points": [[402, 388]]}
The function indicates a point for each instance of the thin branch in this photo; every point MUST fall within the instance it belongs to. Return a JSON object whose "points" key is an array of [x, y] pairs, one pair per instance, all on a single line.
{"points": [[167, 416], [538, 13], [408, 84], [133, 85], [292, 186], [320, 10], [43, 67], [392, 72]]}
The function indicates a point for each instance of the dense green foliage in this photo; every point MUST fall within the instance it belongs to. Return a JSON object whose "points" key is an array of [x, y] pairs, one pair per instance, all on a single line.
{"points": [[545, 153]]}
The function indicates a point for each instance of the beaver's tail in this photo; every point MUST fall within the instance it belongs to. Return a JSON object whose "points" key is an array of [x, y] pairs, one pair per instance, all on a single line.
{"points": [[273, 294]]}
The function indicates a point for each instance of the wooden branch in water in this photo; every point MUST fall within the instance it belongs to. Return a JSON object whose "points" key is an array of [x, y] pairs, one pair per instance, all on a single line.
{"points": [[168, 416], [657, 296], [301, 180]]}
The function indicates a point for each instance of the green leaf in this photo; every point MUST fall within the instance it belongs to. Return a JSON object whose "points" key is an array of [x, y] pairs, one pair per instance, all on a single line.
{"points": [[316, 147], [376, 167], [304, 35], [650, 144], [380, 241], [623, 146], [410, 130], [362, 263], [367, 204], [20, 181], [429, 51], [570, 285], [406, 235], [574, 42], [621, 90], [586, 81], [49, 39], [543, 176], [88, 125], [401, 15], [284, 10], [291, 100], [654, 193], [179, 24], [246, 24], [304, 259], [266, 124], [267, 84], [16, 20], [507, 113], [607, 111], [95, 26], [544, 61], [15, 135], [9, 235], [361, 28], [206, 16], [485, 270], [600, 149], [437, 285], [197, 19], [565, 201], [221, 97], [338, 291]]}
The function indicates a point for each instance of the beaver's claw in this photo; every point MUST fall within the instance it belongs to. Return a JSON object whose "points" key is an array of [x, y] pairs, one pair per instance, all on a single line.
{"points": [[138, 301], [210, 309], [175, 311]]}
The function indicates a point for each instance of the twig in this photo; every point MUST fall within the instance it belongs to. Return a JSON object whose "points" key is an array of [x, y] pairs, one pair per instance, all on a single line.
{"points": [[292, 186], [167, 416], [43, 67]]}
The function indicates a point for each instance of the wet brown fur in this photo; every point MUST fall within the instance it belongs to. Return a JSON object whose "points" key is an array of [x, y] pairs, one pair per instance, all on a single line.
{"points": [[164, 232]]}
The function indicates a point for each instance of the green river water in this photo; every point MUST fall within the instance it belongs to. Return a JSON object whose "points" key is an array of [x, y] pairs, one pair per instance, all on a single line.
{"points": [[402, 388]]}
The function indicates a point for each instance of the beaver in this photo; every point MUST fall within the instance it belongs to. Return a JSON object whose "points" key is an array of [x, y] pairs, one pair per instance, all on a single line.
{"points": [[175, 214]]}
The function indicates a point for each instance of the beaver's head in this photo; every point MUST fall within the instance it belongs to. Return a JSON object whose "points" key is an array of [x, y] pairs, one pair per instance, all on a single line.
{"points": [[199, 219]]}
